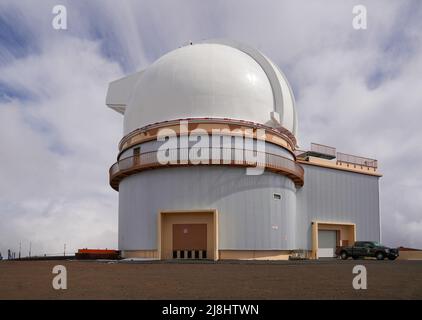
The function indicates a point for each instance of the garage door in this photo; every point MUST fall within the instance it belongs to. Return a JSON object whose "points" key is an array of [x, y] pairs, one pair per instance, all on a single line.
{"points": [[327, 240]]}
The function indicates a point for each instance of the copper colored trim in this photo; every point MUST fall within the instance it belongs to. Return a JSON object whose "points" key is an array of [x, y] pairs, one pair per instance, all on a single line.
{"points": [[279, 136], [337, 166], [148, 160]]}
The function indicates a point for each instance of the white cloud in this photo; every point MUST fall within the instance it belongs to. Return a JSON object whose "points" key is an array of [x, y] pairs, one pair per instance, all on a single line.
{"points": [[54, 186]]}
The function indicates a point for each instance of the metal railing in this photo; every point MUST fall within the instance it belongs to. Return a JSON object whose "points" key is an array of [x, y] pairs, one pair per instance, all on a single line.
{"points": [[341, 157], [284, 133], [355, 160], [320, 148], [211, 156]]}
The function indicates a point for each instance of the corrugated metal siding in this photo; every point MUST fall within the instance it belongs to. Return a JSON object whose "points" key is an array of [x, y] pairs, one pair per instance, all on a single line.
{"points": [[340, 196], [249, 217]]}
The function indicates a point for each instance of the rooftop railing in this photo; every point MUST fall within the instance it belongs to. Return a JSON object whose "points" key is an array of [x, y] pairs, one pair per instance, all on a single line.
{"points": [[323, 149], [356, 160], [329, 153]]}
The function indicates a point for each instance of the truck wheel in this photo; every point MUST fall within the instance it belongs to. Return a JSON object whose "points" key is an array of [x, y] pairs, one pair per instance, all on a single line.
{"points": [[392, 258], [343, 255], [355, 257], [380, 256]]}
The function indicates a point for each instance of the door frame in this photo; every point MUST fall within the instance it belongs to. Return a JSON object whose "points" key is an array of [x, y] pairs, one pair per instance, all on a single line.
{"points": [[331, 225], [187, 216]]}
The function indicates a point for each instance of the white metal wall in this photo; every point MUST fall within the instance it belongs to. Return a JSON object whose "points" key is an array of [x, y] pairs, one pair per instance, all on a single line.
{"points": [[249, 216]]}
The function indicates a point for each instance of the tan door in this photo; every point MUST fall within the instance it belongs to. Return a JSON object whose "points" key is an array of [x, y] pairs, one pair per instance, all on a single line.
{"points": [[190, 236]]}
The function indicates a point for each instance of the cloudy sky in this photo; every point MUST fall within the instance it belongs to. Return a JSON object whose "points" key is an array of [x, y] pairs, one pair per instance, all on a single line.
{"points": [[358, 90]]}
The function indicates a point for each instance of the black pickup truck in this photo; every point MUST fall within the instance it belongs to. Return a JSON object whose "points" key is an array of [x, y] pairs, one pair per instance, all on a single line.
{"points": [[367, 249]]}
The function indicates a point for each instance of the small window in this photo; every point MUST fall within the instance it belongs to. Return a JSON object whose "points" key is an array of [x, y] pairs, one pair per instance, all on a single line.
{"points": [[277, 196], [136, 155]]}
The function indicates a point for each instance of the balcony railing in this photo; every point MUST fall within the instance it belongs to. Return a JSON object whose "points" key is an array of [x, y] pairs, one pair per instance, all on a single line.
{"points": [[215, 156], [149, 132]]}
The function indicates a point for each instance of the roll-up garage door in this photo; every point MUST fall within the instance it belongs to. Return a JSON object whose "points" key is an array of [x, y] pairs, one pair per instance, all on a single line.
{"points": [[327, 240]]}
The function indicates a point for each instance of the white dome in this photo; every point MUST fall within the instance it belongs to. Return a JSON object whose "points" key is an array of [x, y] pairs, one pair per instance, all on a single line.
{"points": [[210, 79]]}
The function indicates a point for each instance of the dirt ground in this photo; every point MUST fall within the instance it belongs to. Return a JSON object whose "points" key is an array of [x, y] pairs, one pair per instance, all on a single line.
{"points": [[222, 280]]}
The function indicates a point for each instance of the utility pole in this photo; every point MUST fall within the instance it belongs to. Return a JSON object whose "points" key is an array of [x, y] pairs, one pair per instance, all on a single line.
{"points": [[30, 245], [64, 250], [20, 247]]}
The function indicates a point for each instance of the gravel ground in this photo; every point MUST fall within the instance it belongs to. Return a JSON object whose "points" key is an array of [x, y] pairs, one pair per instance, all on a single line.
{"points": [[330, 279]]}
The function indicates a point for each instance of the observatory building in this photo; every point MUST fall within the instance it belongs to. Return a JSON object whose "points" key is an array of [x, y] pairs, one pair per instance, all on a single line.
{"points": [[209, 165]]}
